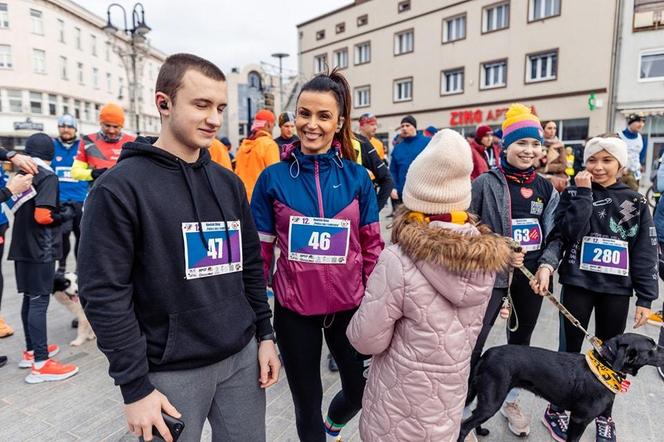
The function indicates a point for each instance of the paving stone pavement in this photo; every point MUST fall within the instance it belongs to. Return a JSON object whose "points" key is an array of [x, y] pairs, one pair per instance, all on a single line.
{"points": [[88, 407]]}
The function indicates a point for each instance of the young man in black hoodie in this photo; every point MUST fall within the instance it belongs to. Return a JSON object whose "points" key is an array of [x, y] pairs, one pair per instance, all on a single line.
{"points": [[170, 272]]}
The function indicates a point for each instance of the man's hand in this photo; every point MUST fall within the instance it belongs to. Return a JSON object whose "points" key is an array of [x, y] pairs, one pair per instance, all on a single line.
{"points": [[583, 179], [394, 195], [541, 282], [19, 183], [641, 316], [269, 363], [25, 163], [96, 173], [143, 414]]}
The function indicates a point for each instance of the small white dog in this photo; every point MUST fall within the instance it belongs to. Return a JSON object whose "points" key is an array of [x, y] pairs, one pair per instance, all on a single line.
{"points": [[65, 290]]}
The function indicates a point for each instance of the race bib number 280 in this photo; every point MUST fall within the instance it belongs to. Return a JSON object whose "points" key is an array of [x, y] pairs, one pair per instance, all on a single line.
{"points": [[215, 252], [318, 240], [605, 255]]}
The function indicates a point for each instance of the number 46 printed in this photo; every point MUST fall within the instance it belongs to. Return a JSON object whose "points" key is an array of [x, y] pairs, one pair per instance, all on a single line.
{"points": [[215, 248], [319, 240]]}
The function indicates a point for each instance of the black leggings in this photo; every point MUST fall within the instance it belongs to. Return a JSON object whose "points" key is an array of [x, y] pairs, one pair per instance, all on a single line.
{"points": [[3, 230], [72, 226], [300, 340]]}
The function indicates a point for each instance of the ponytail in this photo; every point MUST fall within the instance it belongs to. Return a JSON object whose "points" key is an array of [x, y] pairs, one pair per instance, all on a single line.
{"points": [[336, 83]]}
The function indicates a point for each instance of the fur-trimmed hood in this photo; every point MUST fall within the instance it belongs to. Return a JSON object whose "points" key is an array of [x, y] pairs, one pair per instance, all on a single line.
{"points": [[458, 248]]}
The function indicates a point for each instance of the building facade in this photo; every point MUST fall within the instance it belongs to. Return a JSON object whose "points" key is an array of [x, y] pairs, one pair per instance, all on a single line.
{"points": [[458, 64], [639, 86], [54, 59]]}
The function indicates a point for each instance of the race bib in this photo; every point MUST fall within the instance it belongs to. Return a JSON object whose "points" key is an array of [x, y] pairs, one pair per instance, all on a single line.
{"points": [[528, 233], [318, 240], [16, 201], [605, 255], [64, 174], [211, 257]]}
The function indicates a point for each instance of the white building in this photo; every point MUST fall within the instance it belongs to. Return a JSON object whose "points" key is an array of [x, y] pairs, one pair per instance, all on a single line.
{"points": [[55, 59], [639, 85]]}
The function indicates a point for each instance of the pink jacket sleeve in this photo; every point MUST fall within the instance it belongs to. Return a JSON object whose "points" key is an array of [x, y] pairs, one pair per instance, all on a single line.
{"points": [[372, 244], [267, 252], [371, 328]]}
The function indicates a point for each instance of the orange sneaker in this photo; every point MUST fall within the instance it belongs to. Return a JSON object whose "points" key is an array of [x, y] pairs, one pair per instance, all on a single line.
{"points": [[5, 329], [29, 357], [52, 370]]}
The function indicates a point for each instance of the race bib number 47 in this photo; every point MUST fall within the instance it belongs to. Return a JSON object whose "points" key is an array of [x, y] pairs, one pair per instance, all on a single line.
{"points": [[605, 255], [318, 240], [216, 252]]}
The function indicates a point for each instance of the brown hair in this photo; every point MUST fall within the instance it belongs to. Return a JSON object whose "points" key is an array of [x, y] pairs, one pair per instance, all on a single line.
{"points": [[169, 80], [336, 83]]}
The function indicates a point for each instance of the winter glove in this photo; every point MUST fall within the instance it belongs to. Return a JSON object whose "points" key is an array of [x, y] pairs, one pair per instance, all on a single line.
{"points": [[96, 173]]}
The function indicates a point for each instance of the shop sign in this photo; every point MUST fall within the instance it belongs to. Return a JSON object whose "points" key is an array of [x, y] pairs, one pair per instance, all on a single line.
{"points": [[470, 117], [28, 124]]}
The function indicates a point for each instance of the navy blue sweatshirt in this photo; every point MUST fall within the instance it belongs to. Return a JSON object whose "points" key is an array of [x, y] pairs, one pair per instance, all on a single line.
{"points": [[154, 275]]}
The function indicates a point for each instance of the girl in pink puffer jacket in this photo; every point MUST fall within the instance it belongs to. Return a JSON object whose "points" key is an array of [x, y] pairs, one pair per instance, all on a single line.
{"points": [[425, 300]]}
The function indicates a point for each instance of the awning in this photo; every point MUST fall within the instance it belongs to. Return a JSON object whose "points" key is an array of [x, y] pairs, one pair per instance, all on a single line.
{"points": [[646, 112]]}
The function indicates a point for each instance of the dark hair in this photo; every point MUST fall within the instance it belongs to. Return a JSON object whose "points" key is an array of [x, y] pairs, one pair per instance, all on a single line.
{"points": [[336, 83], [550, 121], [171, 72]]}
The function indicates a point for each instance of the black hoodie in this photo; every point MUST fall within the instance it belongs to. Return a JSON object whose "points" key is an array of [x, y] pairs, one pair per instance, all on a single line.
{"points": [[151, 309], [615, 212]]}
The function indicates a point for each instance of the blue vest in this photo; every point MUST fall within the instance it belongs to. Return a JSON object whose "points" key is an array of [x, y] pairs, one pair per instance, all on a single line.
{"points": [[3, 183], [70, 189]]}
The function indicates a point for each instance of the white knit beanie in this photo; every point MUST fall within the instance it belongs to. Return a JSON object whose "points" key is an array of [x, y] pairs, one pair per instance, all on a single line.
{"points": [[614, 146], [438, 180]]}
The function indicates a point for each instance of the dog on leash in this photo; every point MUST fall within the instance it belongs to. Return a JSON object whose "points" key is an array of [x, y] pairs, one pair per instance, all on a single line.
{"points": [[563, 379], [65, 290]]}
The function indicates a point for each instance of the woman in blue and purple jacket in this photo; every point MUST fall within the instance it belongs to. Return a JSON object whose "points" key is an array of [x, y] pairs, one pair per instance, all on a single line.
{"points": [[319, 206]]}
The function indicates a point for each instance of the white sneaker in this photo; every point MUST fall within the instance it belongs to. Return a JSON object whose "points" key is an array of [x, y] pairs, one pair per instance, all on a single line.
{"points": [[517, 422]]}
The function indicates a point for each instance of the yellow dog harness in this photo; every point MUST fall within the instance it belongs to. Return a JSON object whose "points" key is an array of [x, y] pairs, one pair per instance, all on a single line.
{"points": [[610, 378]]}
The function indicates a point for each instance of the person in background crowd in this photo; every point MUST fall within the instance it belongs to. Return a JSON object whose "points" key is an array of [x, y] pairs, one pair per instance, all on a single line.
{"points": [[498, 138], [550, 133], [35, 247], [99, 152], [486, 154], [367, 156], [430, 131], [220, 155], [287, 128], [319, 207], [368, 128], [569, 170], [658, 219], [636, 147], [404, 153], [415, 299], [257, 151], [72, 191]]}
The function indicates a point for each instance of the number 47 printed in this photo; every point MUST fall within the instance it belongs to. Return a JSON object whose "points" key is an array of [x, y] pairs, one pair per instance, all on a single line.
{"points": [[215, 248]]}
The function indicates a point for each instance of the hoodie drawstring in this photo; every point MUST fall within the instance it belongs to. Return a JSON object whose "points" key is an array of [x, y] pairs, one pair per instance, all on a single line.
{"points": [[223, 216], [290, 169], [193, 202]]}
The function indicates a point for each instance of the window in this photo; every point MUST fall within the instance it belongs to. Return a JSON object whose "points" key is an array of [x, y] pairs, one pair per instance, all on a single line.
{"points": [[648, 15], [541, 9], [340, 58], [65, 105], [542, 67], [35, 102], [77, 109], [454, 28], [404, 42], [63, 68], [5, 57], [61, 30], [38, 61], [95, 78], [4, 16], [340, 27], [77, 38], [109, 83], [320, 63], [363, 53], [494, 74], [362, 96], [87, 111], [80, 73], [496, 17], [37, 23], [651, 65], [451, 81], [362, 20], [320, 35], [403, 6], [108, 51], [52, 104], [120, 87], [93, 44], [403, 89], [15, 100], [573, 130], [97, 107]]}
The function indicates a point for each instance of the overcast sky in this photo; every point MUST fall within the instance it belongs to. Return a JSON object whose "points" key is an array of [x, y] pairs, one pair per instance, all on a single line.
{"points": [[228, 32]]}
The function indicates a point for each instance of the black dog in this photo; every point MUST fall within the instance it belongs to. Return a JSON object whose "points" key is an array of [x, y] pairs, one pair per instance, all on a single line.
{"points": [[563, 379]]}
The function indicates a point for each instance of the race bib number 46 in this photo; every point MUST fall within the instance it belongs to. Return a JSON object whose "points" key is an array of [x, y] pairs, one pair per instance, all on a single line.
{"points": [[528, 233], [216, 252], [605, 255], [318, 240]]}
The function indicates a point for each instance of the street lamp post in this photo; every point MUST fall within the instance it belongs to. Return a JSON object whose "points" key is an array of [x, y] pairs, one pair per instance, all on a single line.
{"points": [[133, 58], [281, 56]]}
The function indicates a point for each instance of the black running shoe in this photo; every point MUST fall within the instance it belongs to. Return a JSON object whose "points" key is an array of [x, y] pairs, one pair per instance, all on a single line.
{"points": [[74, 323], [556, 423], [606, 429], [331, 363], [3, 361]]}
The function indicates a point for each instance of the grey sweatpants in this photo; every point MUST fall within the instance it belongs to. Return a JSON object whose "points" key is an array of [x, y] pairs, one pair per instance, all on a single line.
{"points": [[226, 393]]}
